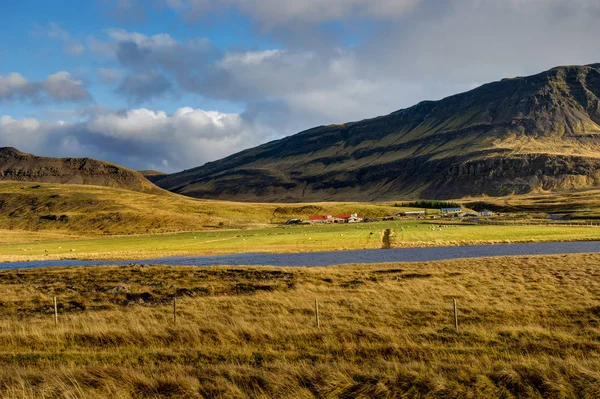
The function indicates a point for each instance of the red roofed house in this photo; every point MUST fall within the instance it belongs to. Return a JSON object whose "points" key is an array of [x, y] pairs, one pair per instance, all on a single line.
{"points": [[320, 219], [348, 218]]}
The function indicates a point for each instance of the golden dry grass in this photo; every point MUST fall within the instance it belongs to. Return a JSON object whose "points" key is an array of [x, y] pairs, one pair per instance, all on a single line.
{"points": [[580, 203], [529, 328], [92, 210]]}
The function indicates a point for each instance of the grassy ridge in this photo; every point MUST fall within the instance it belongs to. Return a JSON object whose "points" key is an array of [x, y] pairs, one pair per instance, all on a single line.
{"points": [[528, 329], [87, 210]]}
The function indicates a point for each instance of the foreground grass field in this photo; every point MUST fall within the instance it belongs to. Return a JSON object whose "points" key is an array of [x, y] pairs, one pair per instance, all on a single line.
{"points": [[280, 239], [529, 327]]}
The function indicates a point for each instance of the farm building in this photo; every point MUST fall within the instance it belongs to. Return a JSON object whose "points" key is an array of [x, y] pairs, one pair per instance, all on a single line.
{"points": [[486, 212], [320, 219], [348, 218], [450, 211]]}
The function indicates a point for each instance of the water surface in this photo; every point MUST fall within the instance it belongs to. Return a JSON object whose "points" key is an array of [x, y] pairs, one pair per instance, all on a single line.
{"points": [[339, 257]]}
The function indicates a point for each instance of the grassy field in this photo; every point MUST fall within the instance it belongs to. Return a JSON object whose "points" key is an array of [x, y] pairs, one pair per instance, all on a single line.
{"points": [[582, 204], [283, 239], [52, 221], [91, 210], [528, 328]]}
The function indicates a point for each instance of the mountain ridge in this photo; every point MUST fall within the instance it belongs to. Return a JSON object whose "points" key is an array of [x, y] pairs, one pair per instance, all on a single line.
{"points": [[20, 166], [516, 135]]}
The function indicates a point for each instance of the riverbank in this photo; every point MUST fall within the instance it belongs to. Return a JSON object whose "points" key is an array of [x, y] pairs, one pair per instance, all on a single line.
{"points": [[528, 327], [289, 239], [334, 258]]}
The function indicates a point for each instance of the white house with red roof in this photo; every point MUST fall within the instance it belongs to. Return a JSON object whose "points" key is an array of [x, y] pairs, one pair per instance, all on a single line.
{"points": [[343, 218]]}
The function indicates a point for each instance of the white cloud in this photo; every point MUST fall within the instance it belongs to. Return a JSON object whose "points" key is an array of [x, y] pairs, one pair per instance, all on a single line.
{"points": [[247, 58], [115, 37], [139, 138], [150, 61], [159, 40], [11, 84], [62, 87], [144, 86], [280, 13], [27, 132], [58, 87]]}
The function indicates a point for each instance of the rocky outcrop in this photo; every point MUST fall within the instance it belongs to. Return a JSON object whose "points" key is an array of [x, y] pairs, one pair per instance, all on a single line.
{"points": [[19, 166]]}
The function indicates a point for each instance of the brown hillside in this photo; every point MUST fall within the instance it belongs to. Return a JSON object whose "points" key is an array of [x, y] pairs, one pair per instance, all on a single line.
{"points": [[19, 166]]}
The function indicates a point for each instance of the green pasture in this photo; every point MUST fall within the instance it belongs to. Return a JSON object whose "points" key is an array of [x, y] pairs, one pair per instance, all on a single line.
{"points": [[300, 238]]}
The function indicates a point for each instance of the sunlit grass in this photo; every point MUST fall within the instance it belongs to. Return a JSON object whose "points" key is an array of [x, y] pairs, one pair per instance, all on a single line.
{"points": [[528, 327], [286, 239]]}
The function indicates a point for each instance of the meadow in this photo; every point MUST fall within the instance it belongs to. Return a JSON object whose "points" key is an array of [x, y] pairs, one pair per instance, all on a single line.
{"points": [[529, 327], [78, 210], [284, 239], [54, 221]]}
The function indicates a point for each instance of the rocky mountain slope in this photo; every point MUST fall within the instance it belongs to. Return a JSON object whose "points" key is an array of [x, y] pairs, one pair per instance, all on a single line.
{"points": [[19, 166], [513, 136]]}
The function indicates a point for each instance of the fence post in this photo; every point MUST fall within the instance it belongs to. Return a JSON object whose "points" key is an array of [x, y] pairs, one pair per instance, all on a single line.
{"points": [[174, 311], [55, 312], [317, 313], [455, 315]]}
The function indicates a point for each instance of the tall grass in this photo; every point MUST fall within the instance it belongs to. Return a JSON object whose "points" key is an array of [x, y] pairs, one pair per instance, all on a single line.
{"points": [[529, 327]]}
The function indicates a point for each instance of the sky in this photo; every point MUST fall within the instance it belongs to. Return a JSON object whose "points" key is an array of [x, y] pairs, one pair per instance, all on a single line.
{"points": [[173, 84]]}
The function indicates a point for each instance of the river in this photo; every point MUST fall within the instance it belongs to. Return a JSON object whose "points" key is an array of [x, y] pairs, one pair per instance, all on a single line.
{"points": [[339, 257]]}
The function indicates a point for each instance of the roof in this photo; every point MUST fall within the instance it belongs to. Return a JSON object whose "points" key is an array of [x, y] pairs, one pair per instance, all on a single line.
{"points": [[345, 216], [451, 209], [317, 217]]}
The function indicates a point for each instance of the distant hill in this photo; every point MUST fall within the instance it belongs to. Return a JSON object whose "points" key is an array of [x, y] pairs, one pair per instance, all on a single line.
{"points": [[19, 166], [93, 210], [152, 175], [514, 136]]}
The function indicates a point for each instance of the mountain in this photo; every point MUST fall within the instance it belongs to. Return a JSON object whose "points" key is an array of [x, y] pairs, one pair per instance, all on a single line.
{"points": [[152, 175], [19, 166], [514, 136]]}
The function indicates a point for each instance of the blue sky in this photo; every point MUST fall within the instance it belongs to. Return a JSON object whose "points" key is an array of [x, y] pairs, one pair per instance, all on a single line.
{"points": [[172, 84]]}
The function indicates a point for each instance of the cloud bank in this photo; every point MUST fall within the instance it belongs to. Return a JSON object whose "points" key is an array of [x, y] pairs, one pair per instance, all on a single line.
{"points": [[325, 61], [139, 138]]}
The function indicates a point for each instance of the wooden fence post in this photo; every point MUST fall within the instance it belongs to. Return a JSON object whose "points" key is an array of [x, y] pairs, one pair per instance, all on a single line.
{"points": [[455, 315], [317, 313], [174, 311], [55, 312]]}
